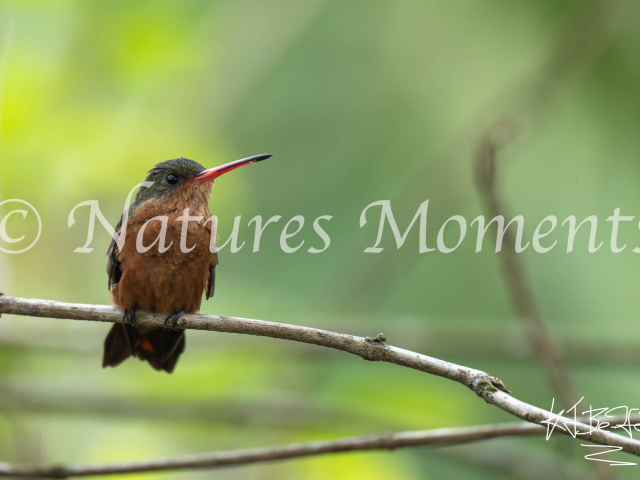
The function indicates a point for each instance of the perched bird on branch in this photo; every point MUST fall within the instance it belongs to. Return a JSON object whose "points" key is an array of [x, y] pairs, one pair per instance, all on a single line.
{"points": [[162, 259]]}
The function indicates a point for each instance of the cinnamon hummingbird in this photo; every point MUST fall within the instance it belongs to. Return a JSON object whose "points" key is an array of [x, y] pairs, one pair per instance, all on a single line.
{"points": [[171, 276]]}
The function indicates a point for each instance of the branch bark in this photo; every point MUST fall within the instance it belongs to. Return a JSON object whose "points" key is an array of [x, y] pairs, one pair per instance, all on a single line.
{"points": [[383, 441]]}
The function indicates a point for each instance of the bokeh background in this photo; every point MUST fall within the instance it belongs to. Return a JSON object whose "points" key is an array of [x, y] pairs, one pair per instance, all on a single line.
{"points": [[358, 101]]}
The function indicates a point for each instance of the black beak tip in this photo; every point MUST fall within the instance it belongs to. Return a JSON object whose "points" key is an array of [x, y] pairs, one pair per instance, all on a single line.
{"points": [[263, 156]]}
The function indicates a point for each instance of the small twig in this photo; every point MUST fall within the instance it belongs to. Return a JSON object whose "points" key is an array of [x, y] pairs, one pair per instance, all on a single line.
{"points": [[380, 338], [383, 441]]}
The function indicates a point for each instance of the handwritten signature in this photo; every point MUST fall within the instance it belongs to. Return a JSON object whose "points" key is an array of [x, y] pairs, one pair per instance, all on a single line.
{"points": [[595, 419]]}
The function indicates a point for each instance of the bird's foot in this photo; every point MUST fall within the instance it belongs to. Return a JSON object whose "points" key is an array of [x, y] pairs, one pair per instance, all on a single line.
{"points": [[130, 317], [173, 319]]}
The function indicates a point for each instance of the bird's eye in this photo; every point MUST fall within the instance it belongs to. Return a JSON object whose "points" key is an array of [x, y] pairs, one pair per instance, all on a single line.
{"points": [[172, 179]]}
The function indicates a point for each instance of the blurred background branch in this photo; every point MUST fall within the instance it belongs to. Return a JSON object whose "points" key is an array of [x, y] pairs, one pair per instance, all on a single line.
{"points": [[383, 441], [543, 342]]}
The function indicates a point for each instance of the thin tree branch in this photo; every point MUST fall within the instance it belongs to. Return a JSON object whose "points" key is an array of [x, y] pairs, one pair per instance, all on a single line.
{"points": [[373, 349], [490, 388], [485, 339], [383, 441]]}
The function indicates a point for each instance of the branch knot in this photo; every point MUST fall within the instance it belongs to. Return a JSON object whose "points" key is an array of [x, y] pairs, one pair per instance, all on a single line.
{"points": [[380, 338]]}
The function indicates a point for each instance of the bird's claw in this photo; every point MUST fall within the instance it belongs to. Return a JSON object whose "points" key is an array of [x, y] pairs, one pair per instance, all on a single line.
{"points": [[173, 319], [130, 317]]}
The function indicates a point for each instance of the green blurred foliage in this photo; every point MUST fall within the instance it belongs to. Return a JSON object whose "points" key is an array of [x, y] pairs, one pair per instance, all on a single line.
{"points": [[358, 101]]}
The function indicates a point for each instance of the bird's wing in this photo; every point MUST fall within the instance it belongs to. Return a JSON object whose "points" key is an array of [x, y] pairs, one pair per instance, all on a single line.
{"points": [[113, 264], [211, 286]]}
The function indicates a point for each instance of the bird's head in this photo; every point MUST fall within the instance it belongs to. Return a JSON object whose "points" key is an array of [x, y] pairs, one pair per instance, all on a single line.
{"points": [[185, 182]]}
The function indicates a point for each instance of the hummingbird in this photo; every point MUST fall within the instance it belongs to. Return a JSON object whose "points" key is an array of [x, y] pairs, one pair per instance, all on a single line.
{"points": [[171, 276]]}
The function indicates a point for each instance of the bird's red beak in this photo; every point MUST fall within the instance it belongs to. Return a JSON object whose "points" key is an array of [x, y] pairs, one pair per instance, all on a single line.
{"points": [[227, 167]]}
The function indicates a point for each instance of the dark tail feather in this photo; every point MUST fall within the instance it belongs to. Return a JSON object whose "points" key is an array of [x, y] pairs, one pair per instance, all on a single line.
{"points": [[116, 347], [160, 347]]}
